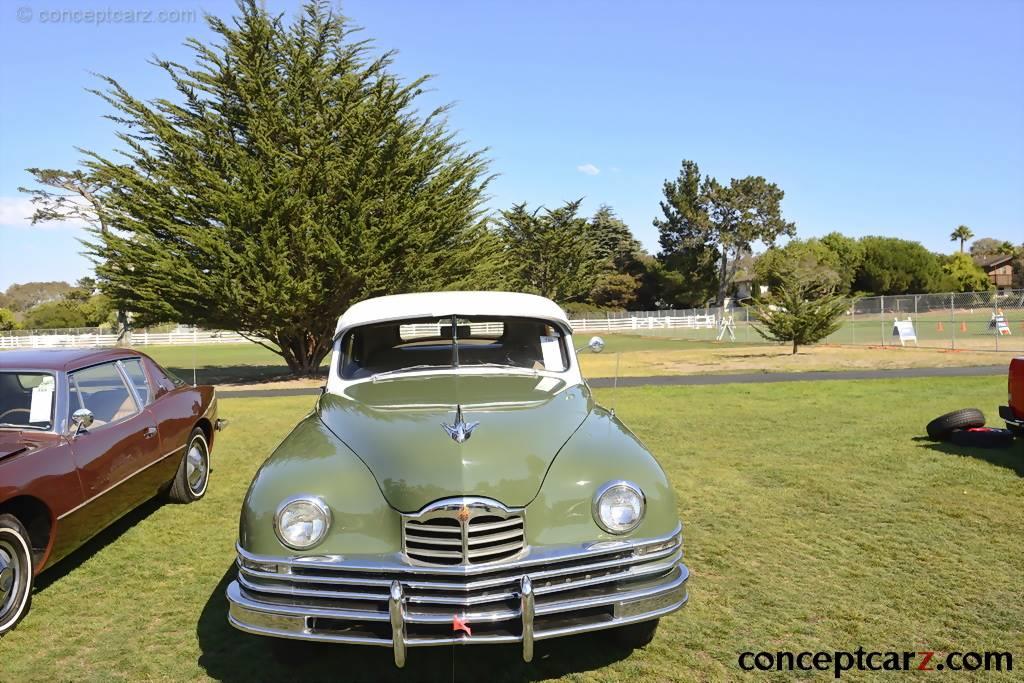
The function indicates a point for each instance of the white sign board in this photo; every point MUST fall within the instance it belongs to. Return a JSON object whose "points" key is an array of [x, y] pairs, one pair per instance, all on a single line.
{"points": [[551, 352], [904, 329], [42, 401], [999, 323]]}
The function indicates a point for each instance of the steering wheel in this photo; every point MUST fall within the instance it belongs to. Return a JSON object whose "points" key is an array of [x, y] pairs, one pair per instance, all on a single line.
{"points": [[14, 410]]}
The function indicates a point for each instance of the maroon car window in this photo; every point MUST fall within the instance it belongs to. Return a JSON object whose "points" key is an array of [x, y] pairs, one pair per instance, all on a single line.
{"points": [[133, 368], [101, 390], [26, 400]]}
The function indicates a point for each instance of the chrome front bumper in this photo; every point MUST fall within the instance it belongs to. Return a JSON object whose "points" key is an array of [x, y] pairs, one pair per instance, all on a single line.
{"points": [[546, 594]]}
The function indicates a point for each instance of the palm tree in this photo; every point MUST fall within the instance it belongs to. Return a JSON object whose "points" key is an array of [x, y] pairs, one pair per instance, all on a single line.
{"points": [[962, 233]]}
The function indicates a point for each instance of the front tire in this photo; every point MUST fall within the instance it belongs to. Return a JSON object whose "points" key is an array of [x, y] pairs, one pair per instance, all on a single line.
{"points": [[636, 636], [193, 476], [15, 572]]}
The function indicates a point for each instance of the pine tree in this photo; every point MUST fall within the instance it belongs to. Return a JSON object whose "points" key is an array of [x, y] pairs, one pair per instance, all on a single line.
{"points": [[550, 252], [291, 177], [802, 310]]}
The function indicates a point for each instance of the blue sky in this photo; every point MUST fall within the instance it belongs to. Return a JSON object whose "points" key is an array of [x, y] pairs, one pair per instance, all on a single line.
{"points": [[895, 118]]}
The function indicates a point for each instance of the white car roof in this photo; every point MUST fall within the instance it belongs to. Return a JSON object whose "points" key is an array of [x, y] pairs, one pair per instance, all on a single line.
{"points": [[439, 304]]}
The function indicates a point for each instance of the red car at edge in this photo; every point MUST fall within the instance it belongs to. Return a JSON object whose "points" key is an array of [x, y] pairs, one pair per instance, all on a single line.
{"points": [[87, 435]]}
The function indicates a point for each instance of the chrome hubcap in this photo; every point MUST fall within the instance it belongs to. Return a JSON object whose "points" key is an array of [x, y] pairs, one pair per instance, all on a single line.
{"points": [[196, 466], [8, 577]]}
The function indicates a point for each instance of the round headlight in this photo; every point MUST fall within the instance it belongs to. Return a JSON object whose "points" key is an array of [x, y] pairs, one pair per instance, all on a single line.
{"points": [[302, 522], [619, 507]]}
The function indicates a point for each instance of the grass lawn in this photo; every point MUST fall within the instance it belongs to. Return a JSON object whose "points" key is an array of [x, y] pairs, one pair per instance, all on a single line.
{"points": [[816, 519]]}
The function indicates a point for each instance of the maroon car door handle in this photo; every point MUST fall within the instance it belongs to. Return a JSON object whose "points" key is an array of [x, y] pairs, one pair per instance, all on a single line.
{"points": [[150, 432]]}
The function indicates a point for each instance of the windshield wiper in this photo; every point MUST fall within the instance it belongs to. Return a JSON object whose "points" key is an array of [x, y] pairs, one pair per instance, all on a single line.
{"points": [[411, 368], [17, 426], [506, 366]]}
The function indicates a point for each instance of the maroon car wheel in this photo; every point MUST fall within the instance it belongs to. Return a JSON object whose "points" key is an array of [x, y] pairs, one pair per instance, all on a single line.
{"points": [[193, 477], [15, 572]]}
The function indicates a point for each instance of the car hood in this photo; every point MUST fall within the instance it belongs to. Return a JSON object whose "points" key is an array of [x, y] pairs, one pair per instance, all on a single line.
{"points": [[395, 427]]}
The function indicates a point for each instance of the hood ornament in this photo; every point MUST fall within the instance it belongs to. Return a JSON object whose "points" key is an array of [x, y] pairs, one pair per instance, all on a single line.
{"points": [[461, 430]]}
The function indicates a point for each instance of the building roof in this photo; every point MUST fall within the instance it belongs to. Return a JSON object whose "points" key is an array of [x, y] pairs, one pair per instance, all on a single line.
{"points": [[439, 304], [60, 359], [992, 260]]}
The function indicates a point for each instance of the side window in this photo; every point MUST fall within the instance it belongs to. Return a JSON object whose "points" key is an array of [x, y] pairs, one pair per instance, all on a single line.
{"points": [[133, 368], [101, 390]]}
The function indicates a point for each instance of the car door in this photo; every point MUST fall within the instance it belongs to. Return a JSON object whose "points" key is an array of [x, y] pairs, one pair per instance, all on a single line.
{"points": [[120, 443]]}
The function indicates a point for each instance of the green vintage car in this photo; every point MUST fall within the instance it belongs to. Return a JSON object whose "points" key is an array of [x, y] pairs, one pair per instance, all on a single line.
{"points": [[456, 483]]}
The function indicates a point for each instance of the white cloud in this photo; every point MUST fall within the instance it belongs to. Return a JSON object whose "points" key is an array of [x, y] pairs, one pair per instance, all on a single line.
{"points": [[588, 169], [16, 212]]}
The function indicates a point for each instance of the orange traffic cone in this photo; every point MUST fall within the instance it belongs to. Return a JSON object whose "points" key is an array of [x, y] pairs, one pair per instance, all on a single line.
{"points": [[963, 326], [938, 326]]}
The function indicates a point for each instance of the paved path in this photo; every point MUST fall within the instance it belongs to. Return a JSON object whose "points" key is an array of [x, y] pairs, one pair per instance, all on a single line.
{"points": [[674, 380]]}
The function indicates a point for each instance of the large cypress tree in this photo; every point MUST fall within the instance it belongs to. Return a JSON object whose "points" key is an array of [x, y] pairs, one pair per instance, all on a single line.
{"points": [[550, 252], [290, 177]]}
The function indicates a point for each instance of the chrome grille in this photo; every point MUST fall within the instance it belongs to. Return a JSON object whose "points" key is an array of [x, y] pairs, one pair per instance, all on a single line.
{"points": [[463, 531]]}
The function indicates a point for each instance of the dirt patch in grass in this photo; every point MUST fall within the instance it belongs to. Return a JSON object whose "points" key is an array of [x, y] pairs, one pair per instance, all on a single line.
{"points": [[733, 359]]}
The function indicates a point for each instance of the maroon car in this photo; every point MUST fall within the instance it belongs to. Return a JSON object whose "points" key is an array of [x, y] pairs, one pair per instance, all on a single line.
{"points": [[85, 436]]}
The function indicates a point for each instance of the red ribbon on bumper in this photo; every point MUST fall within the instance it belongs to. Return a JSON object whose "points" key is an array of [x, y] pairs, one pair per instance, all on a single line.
{"points": [[459, 625]]}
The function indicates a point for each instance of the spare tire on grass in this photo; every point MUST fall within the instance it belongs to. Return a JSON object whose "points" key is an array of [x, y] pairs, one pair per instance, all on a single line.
{"points": [[967, 418], [982, 437]]}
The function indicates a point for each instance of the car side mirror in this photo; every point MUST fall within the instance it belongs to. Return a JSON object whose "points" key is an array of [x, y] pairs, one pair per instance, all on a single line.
{"points": [[596, 345], [82, 419]]}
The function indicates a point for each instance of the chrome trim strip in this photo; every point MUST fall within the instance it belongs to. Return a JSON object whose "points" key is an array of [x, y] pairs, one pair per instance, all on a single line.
{"points": [[539, 556], [633, 572], [526, 610], [626, 596], [111, 488], [491, 526], [306, 592], [641, 561], [461, 602], [282, 609]]}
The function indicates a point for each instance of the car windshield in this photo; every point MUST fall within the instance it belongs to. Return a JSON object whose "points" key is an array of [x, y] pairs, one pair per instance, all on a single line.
{"points": [[452, 342], [26, 400]]}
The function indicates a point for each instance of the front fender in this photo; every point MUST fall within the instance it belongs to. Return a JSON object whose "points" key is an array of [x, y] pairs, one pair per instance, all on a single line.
{"points": [[601, 450], [311, 460]]}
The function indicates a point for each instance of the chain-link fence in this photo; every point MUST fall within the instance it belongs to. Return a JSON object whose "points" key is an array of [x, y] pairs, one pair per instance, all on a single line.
{"points": [[980, 321]]}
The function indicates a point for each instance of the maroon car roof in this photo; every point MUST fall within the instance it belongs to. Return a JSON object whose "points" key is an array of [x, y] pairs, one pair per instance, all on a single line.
{"points": [[60, 359]]}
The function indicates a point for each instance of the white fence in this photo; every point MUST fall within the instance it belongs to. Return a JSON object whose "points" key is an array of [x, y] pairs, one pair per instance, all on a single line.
{"points": [[92, 337], [645, 321]]}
